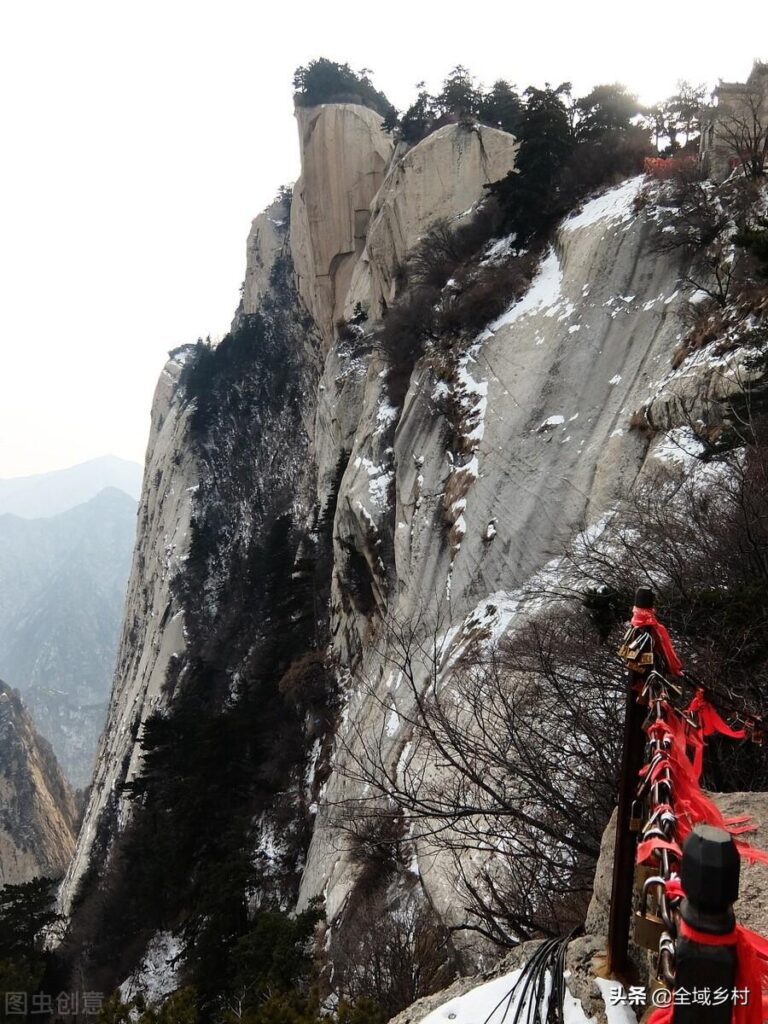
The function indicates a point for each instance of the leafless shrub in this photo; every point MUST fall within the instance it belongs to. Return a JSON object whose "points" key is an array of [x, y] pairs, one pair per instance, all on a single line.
{"points": [[391, 950], [402, 338], [376, 844], [525, 741], [486, 295]]}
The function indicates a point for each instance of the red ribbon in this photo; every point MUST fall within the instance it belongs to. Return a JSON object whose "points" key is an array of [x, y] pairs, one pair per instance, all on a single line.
{"points": [[692, 806], [710, 722], [647, 617]]}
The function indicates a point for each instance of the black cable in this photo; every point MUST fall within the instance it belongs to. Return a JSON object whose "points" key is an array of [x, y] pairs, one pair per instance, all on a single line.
{"points": [[529, 989]]}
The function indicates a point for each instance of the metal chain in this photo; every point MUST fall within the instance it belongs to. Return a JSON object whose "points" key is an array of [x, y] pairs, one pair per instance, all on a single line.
{"points": [[657, 787]]}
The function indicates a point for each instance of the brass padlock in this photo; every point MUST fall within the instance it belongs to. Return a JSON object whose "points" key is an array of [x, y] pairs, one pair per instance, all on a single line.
{"points": [[647, 930]]}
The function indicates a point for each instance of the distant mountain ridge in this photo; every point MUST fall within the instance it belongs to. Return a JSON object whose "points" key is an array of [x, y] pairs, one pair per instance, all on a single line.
{"points": [[49, 494], [62, 590]]}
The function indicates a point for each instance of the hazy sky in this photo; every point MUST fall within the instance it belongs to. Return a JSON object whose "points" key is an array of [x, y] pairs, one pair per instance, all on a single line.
{"points": [[141, 138]]}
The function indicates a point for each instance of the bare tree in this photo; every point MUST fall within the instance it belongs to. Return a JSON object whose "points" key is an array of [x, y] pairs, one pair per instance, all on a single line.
{"points": [[693, 220], [742, 126], [510, 770], [393, 953], [504, 760]]}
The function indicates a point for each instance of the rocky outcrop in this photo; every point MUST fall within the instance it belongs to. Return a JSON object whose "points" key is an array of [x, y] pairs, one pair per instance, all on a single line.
{"points": [[344, 155], [265, 242], [441, 178], [38, 816], [153, 628]]}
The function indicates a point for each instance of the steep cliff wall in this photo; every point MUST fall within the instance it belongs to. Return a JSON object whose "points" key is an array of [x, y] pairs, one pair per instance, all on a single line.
{"points": [[153, 627], [285, 439], [37, 805], [547, 393], [344, 155]]}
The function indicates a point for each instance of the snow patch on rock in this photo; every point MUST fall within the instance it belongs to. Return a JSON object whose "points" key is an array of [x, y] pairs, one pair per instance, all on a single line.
{"points": [[615, 206], [157, 974]]}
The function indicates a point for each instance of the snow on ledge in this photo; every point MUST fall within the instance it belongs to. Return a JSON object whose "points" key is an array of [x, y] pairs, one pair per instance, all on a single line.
{"points": [[543, 293], [617, 1010], [614, 206], [488, 1003]]}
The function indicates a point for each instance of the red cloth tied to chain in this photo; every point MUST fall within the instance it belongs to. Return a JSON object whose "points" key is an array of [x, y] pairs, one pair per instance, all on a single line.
{"points": [[710, 723], [751, 966], [647, 617], [691, 805], [675, 737]]}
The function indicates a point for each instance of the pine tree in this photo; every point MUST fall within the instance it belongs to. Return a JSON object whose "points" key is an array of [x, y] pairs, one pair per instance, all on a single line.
{"points": [[501, 107], [530, 195], [606, 109]]}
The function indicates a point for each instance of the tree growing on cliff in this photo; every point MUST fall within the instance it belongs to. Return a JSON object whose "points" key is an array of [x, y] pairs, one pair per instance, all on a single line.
{"points": [[26, 910], [606, 109], [530, 194], [501, 107], [326, 81], [460, 96], [683, 112], [418, 119]]}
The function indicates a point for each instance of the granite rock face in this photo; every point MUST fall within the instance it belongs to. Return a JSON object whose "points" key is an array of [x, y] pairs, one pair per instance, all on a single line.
{"points": [[38, 816], [153, 626], [265, 242], [344, 156], [441, 178]]}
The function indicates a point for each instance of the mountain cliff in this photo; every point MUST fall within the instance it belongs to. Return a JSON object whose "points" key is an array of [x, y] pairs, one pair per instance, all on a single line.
{"points": [[37, 806], [308, 499]]}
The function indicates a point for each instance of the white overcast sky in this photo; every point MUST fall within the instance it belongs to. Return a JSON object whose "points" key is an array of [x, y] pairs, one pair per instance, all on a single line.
{"points": [[141, 138]]}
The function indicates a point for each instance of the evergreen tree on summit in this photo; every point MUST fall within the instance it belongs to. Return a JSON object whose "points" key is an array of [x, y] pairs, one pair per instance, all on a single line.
{"points": [[530, 194], [459, 96], [501, 107], [606, 109]]}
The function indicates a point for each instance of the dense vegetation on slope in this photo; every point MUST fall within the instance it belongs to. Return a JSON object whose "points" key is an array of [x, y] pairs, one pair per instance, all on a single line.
{"points": [[606, 108]]}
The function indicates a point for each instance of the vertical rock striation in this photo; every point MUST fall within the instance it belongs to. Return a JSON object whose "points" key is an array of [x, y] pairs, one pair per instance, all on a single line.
{"points": [[344, 156], [153, 626]]}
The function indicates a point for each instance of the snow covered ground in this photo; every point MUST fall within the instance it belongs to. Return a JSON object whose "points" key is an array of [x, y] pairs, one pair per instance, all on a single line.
{"points": [[495, 1002]]}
